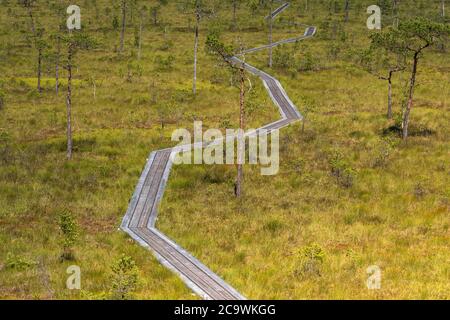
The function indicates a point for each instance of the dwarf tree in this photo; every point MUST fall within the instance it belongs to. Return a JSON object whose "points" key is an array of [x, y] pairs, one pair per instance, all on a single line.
{"points": [[383, 64], [74, 42], [124, 278], [200, 9], [411, 38], [69, 230], [215, 46]]}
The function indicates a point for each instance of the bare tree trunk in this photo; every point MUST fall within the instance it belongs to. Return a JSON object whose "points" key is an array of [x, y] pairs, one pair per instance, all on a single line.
{"points": [[39, 70], [94, 88], [234, 15], [69, 103], [412, 85], [443, 8], [395, 13], [241, 155], [270, 36], [30, 14], [35, 37], [194, 84], [306, 5], [58, 52], [140, 37], [122, 32], [347, 8], [154, 16], [389, 111]]}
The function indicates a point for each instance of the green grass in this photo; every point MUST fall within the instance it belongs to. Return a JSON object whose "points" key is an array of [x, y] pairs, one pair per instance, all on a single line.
{"points": [[394, 215]]}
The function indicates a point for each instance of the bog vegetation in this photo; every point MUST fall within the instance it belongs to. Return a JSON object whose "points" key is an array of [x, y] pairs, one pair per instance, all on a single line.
{"points": [[363, 180]]}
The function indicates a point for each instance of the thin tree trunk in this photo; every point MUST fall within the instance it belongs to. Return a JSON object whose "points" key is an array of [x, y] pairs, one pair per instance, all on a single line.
{"points": [[443, 8], [347, 8], [270, 36], [33, 27], [234, 15], [306, 5], [122, 32], [241, 156], [94, 88], [58, 52], [131, 13], [155, 16], [395, 13], [194, 84], [69, 103], [35, 36], [410, 96], [140, 38], [39, 70], [389, 111]]}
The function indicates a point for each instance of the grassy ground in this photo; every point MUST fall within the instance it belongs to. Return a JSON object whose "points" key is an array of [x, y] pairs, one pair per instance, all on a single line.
{"points": [[392, 211]]}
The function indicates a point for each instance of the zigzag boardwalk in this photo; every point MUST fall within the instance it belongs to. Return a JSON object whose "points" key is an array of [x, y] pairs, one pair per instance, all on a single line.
{"points": [[139, 221]]}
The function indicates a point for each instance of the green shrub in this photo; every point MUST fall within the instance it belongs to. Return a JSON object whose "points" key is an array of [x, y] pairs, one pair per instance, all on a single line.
{"points": [[310, 261], [340, 169], [218, 174], [18, 263], [283, 58], [307, 63], [164, 63], [124, 278], [383, 153]]}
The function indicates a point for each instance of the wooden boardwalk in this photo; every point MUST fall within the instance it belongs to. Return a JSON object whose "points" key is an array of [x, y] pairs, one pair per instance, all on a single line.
{"points": [[139, 221]]}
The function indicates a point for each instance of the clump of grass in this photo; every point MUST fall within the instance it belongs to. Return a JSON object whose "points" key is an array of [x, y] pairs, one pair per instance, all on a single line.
{"points": [[217, 174], [18, 263], [273, 225]]}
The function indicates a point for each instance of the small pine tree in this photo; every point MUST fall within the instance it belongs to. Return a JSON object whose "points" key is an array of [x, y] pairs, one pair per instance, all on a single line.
{"points": [[124, 278], [69, 230]]}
